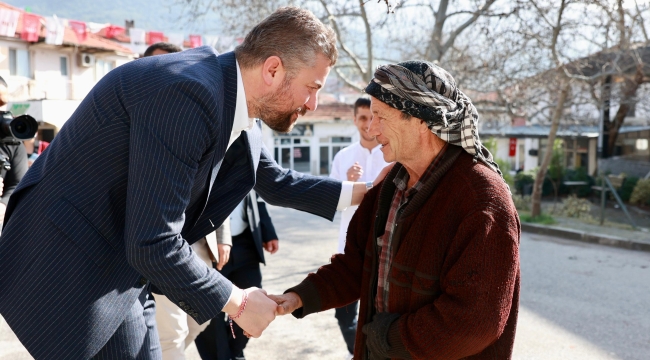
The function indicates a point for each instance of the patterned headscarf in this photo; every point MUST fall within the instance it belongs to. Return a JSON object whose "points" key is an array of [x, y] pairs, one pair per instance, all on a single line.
{"points": [[428, 92]]}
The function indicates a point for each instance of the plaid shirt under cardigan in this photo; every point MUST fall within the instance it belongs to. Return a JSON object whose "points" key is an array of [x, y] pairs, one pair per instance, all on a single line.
{"points": [[400, 199]]}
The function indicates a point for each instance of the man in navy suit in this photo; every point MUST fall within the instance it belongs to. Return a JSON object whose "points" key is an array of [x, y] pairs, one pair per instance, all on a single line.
{"points": [[139, 172]]}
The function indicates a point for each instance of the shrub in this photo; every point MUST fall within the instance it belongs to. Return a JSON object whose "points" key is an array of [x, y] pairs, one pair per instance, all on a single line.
{"points": [[522, 203], [575, 207], [641, 192], [625, 192], [522, 179], [504, 166]]}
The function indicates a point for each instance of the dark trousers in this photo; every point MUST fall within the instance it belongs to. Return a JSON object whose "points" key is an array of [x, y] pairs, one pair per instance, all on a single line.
{"points": [[243, 269], [137, 337], [347, 317]]}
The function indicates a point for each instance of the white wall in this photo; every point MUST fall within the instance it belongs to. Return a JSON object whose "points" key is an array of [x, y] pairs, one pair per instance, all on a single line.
{"points": [[531, 161], [18, 86], [49, 81], [83, 78]]}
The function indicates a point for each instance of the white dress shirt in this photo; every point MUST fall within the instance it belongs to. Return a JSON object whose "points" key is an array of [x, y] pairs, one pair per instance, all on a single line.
{"points": [[371, 161], [238, 219]]}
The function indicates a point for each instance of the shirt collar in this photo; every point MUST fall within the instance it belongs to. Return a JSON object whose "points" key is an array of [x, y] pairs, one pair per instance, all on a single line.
{"points": [[242, 121], [402, 178]]}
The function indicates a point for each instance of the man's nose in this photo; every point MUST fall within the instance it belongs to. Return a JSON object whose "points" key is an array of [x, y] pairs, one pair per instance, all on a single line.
{"points": [[312, 103]]}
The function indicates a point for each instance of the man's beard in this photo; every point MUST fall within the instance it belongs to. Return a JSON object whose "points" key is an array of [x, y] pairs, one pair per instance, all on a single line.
{"points": [[268, 108]]}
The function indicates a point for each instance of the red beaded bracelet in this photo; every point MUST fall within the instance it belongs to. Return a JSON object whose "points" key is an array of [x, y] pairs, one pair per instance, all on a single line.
{"points": [[242, 307]]}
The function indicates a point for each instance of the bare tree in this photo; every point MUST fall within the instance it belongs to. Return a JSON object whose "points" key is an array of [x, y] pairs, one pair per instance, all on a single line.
{"points": [[630, 66], [553, 20], [360, 26]]}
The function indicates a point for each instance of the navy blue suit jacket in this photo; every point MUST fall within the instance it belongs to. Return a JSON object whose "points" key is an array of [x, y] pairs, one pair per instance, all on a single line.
{"points": [[135, 176]]}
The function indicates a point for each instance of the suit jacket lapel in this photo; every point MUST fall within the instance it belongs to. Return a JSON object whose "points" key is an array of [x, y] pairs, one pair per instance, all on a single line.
{"points": [[229, 89]]}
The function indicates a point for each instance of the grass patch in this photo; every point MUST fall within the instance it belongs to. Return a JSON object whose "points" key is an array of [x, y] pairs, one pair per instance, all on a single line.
{"points": [[543, 219]]}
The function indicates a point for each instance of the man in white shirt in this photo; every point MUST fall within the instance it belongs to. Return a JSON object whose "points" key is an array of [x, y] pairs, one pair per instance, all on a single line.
{"points": [[361, 161]]}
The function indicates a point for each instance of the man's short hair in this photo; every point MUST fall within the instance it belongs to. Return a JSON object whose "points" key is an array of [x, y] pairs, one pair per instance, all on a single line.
{"points": [[167, 47], [294, 35], [361, 102]]}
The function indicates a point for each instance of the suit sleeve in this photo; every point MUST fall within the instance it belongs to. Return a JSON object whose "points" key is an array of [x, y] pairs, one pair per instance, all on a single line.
{"points": [[224, 236], [288, 188], [170, 132], [268, 230]]}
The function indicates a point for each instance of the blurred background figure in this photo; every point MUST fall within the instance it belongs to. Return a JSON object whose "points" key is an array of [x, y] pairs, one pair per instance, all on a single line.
{"points": [[361, 161], [161, 48], [13, 159], [34, 147]]}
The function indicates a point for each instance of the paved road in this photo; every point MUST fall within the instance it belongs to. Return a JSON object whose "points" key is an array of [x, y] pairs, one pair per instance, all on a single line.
{"points": [[579, 301]]}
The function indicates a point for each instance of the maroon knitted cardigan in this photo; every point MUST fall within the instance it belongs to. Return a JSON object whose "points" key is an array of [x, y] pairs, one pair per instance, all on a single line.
{"points": [[455, 275]]}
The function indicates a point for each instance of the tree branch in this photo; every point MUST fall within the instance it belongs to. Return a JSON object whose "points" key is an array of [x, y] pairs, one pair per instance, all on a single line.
{"points": [[346, 79], [366, 75], [454, 34], [347, 50]]}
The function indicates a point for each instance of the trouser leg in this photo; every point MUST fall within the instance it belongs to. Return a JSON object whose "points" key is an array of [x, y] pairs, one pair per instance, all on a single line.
{"points": [[347, 318], [245, 276], [137, 337]]}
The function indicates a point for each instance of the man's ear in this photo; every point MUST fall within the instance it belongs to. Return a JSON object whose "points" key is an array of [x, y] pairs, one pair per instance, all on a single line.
{"points": [[272, 70], [424, 128]]}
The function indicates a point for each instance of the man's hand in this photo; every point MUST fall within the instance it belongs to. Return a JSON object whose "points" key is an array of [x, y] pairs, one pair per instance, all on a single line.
{"points": [[359, 189], [355, 172], [272, 246], [224, 255], [287, 303], [259, 312]]}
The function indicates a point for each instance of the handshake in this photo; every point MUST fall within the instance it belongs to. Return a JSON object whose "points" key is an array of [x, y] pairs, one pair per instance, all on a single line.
{"points": [[253, 310]]}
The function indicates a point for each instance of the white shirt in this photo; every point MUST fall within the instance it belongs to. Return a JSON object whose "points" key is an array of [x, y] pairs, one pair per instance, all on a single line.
{"points": [[371, 161], [238, 219]]}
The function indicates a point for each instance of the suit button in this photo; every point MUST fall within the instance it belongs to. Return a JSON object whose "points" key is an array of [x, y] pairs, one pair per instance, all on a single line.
{"points": [[143, 281]]}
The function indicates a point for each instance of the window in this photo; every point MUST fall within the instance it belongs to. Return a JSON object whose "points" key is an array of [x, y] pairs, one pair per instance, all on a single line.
{"points": [[19, 63], [64, 65], [102, 67], [293, 153], [329, 147]]}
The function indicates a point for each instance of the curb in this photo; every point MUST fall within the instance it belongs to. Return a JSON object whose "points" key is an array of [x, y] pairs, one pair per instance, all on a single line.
{"points": [[585, 237]]}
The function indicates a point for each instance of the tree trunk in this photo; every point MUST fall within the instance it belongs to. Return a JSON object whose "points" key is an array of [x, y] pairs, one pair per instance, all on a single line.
{"points": [[627, 99], [541, 174]]}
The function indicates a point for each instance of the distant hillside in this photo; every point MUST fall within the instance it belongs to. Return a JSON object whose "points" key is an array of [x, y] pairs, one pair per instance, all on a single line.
{"points": [[148, 14]]}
